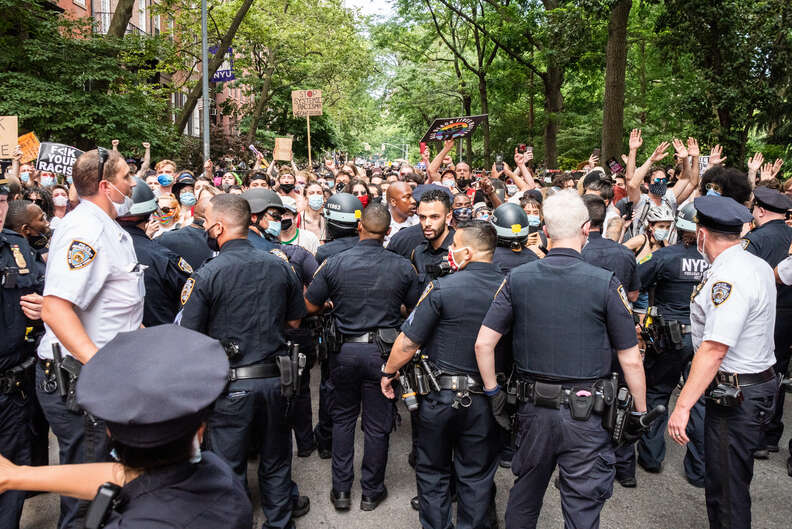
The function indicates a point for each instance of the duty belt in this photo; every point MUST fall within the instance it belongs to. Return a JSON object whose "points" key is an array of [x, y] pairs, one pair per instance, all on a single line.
{"points": [[367, 337], [549, 395], [12, 379], [686, 329], [265, 370], [745, 380], [460, 383]]}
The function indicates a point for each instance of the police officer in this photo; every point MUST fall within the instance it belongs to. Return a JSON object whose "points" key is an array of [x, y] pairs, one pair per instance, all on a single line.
{"points": [[511, 225], [166, 272], [671, 274], [266, 210], [21, 281], [559, 364], [770, 240], [456, 427], [164, 479], [245, 297], [189, 242], [94, 289], [434, 215], [732, 314], [341, 221], [368, 326], [342, 213]]}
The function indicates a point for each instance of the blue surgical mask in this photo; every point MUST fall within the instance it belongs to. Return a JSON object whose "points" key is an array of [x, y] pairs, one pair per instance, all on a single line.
{"points": [[187, 198], [164, 180], [315, 202], [25, 177], [534, 220], [274, 228], [47, 181], [660, 234], [70, 180], [712, 193]]}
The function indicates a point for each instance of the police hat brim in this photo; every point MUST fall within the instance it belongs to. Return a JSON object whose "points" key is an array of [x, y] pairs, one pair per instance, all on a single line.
{"points": [[158, 434]]}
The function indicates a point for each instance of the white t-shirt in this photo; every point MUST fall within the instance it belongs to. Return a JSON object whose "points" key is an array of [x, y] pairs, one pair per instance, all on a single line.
{"points": [[396, 226], [305, 238]]}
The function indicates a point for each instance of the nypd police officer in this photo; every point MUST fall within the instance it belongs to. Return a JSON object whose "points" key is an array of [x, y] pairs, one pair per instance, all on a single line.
{"points": [[434, 214], [732, 314], [559, 364], [368, 325], [455, 425], [511, 225], [218, 301]]}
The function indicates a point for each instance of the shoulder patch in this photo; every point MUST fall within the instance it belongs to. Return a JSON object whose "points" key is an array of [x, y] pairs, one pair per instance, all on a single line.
{"points": [[279, 253], [80, 255], [426, 292], [187, 290], [720, 292], [623, 297], [645, 258], [184, 266], [744, 243]]}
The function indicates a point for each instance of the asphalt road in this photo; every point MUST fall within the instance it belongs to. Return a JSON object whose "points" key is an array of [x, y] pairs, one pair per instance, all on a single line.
{"points": [[662, 500]]}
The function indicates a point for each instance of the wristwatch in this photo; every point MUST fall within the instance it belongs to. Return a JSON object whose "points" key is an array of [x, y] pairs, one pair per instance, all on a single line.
{"points": [[386, 375]]}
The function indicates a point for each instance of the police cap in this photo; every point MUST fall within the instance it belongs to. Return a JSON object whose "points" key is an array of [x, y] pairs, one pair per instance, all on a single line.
{"points": [[343, 209], [262, 199], [155, 385], [772, 200], [510, 222], [721, 214]]}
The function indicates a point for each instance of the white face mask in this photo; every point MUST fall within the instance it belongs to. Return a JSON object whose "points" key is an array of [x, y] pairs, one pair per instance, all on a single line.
{"points": [[701, 236], [60, 201], [123, 207], [660, 234]]}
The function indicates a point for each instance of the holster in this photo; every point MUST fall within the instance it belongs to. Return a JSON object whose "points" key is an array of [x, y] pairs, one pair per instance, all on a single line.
{"points": [[105, 501], [18, 377], [384, 338], [71, 369]]}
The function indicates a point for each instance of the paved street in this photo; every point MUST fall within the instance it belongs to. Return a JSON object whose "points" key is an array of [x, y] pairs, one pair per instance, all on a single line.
{"points": [[663, 500]]}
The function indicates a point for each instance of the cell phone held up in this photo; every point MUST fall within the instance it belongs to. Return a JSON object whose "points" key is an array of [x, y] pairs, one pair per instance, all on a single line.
{"points": [[499, 163], [615, 166]]}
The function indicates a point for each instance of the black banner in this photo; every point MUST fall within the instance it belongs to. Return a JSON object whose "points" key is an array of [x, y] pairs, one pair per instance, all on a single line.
{"points": [[57, 158], [452, 128]]}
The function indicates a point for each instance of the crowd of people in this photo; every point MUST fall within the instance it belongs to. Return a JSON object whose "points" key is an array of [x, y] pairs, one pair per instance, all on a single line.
{"points": [[164, 324]]}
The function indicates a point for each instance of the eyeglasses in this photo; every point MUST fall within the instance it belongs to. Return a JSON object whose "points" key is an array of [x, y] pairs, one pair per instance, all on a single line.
{"points": [[103, 156], [167, 211], [359, 193], [274, 215]]}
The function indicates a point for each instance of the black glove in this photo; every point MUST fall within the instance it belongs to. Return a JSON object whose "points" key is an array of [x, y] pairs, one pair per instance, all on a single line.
{"points": [[498, 405], [634, 428]]}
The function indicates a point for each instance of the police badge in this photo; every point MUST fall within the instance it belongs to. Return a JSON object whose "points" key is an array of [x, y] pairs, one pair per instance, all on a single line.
{"points": [[720, 292]]}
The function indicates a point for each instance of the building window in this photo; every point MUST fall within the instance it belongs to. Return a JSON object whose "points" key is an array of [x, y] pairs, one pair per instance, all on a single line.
{"points": [[142, 15], [80, 3]]}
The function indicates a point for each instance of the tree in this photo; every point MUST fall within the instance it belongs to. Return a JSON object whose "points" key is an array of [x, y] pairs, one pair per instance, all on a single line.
{"points": [[615, 71]]}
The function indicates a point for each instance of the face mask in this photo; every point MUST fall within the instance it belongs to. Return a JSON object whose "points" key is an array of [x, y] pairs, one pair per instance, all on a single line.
{"points": [[60, 201], [462, 213], [70, 180], [659, 189], [25, 177], [511, 189], [167, 218], [534, 220], [660, 234], [274, 228], [364, 200], [124, 206], [701, 240], [712, 193], [452, 262], [164, 180], [287, 188], [449, 183], [47, 181], [187, 199], [315, 202], [40, 241], [330, 183], [286, 224], [463, 182], [211, 242]]}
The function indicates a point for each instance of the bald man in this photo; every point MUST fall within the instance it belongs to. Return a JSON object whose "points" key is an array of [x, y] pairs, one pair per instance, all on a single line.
{"points": [[401, 206]]}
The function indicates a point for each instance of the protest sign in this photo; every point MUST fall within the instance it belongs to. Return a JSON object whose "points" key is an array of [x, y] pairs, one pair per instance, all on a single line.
{"points": [[30, 146], [453, 128], [8, 136], [57, 158], [306, 103], [283, 149], [226, 70]]}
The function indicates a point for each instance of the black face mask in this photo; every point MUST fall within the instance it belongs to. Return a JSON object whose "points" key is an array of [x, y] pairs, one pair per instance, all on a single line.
{"points": [[211, 242], [463, 182], [286, 224], [376, 200], [40, 241], [287, 188]]}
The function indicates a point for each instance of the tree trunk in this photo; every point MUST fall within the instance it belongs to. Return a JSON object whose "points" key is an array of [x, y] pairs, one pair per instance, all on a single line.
{"points": [[214, 64], [615, 67], [121, 17], [485, 110], [260, 104], [554, 103], [468, 108]]}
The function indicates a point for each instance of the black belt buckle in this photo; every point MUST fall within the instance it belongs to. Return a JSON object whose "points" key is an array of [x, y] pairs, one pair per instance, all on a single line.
{"points": [[547, 395]]}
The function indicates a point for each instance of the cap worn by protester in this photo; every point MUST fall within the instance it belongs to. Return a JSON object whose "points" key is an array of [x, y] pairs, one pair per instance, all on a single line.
{"points": [[143, 200], [162, 395], [262, 199], [289, 203], [722, 214], [185, 178], [772, 200]]}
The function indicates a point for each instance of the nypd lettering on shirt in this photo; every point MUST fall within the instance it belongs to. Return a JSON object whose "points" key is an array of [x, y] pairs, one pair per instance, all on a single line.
{"points": [[693, 268]]}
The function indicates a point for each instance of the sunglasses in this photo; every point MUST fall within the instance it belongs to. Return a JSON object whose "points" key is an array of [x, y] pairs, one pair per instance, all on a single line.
{"points": [[167, 211], [103, 156], [276, 216], [359, 193]]}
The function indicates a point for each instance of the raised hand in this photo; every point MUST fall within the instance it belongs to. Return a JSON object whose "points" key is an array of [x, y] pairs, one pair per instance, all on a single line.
{"points": [[693, 147], [146, 145], [115, 143], [766, 172], [448, 145], [593, 161], [716, 156], [519, 158], [635, 139], [660, 152], [681, 150], [777, 166], [755, 162]]}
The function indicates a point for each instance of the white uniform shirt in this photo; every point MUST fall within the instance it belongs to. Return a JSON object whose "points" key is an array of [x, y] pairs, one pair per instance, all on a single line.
{"points": [[785, 271], [735, 305], [93, 265]]}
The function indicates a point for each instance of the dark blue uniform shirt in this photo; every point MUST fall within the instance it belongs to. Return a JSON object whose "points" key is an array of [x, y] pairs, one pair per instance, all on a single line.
{"points": [[246, 296], [612, 256], [673, 271], [425, 255], [164, 277], [205, 495], [771, 242], [302, 260], [447, 320], [334, 247], [507, 259], [188, 242], [367, 285], [262, 242], [406, 240]]}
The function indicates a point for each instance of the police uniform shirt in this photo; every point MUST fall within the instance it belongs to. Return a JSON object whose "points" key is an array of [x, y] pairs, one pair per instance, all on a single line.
{"points": [[303, 262], [735, 306], [260, 242], [448, 316], [164, 278], [612, 256], [785, 271], [425, 255], [335, 247], [407, 240], [246, 296], [21, 273], [507, 259], [674, 271], [188, 242], [771, 242], [367, 285], [92, 264]]}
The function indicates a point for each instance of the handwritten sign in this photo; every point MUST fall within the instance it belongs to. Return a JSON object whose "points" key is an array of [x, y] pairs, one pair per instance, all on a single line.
{"points": [[30, 147], [452, 128], [57, 158], [8, 135], [283, 149], [306, 103]]}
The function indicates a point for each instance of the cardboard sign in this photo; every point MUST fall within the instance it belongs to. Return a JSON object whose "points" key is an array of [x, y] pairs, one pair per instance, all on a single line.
{"points": [[30, 147], [306, 103], [226, 70], [57, 158], [8, 136], [452, 128], [283, 149]]}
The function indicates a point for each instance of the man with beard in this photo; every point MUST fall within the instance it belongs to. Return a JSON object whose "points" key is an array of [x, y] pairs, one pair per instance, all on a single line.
{"points": [[434, 214]]}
